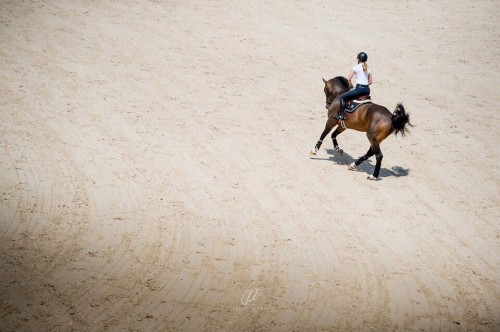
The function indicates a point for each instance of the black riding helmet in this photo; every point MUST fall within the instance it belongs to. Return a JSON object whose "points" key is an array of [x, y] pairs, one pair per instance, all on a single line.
{"points": [[362, 57]]}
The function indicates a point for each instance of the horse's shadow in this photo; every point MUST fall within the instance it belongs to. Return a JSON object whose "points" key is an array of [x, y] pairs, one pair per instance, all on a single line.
{"points": [[367, 166]]}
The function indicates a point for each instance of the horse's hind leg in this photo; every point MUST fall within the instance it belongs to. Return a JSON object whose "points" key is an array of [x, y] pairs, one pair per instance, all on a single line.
{"points": [[378, 156], [330, 123], [335, 133], [374, 150], [375, 141], [358, 162]]}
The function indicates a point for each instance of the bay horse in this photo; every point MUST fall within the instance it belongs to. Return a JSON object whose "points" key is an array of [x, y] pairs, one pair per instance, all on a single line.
{"points": [[376, 120]]}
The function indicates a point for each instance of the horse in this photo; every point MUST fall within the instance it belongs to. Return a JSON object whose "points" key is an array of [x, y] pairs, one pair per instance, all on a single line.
{"points": [[376, 120]]}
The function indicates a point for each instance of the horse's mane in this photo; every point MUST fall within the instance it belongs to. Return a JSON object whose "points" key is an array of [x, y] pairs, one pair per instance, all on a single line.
{"points": [[339, 85], [343, 80]]}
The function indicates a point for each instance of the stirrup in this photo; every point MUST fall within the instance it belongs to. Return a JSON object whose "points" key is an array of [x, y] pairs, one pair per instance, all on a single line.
{"points": [[340, 117]]}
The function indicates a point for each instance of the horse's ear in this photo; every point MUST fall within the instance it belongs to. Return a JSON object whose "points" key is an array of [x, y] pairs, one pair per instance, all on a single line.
{"points": [[327, 84]]}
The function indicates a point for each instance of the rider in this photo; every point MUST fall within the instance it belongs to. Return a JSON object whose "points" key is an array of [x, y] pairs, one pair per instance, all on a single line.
{"points": [[363, 80]]}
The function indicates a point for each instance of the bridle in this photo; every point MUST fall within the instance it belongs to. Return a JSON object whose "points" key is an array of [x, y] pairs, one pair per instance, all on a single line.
{"points": [[330, 97]]}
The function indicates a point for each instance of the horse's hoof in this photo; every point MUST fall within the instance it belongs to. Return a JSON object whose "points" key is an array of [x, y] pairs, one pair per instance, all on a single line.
{"points": [[352, 167], [371, 177], [339, 151], [313, 153]]}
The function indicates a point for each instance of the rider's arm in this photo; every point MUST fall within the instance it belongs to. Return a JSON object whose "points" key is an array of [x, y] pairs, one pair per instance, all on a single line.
{"points": [[349, 78], [370, 81]]}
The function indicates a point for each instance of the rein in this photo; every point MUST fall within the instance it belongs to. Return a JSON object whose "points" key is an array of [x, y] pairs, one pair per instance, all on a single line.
{"points": [[333, 97]]}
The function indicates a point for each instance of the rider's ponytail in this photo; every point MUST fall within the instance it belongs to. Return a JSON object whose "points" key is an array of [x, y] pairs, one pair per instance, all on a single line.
{"points": [[365, 66]]}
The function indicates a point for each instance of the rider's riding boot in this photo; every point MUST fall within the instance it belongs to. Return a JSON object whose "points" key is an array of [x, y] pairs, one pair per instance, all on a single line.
{"points": [[341, 112]]}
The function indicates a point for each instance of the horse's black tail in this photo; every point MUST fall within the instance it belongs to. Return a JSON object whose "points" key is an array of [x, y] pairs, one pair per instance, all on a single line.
{"points": [[400, 119]]}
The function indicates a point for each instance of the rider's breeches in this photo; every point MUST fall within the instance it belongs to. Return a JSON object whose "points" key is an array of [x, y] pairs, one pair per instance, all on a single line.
{"points": [[360, 90]]}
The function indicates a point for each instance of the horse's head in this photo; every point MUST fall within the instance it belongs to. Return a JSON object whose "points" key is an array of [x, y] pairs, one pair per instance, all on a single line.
{"points": [[328, 93], [334, 88]]}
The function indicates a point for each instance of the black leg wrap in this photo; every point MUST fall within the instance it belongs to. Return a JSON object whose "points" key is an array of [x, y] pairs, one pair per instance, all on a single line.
{"points": [[318, 145], [368, 154], [377, 166], [334, 140], [360, 160]]}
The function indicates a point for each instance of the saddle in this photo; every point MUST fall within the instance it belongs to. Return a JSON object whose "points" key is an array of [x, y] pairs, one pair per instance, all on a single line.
{"points": [[354, 104]]}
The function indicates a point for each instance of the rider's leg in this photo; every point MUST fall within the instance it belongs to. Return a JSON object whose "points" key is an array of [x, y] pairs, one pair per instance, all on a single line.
{"points": [[350, 95], [342, 108]]}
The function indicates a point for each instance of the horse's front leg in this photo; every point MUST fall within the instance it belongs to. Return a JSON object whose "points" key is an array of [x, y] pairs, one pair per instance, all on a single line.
{"points": [[335, 133], [330, 123]]}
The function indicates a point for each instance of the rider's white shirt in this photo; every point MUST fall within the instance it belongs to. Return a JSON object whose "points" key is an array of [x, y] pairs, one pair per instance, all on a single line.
{"points": [[361, 76]]}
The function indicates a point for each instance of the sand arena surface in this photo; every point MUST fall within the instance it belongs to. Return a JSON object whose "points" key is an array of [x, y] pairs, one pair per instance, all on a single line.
{"points": [[154, 167]]}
